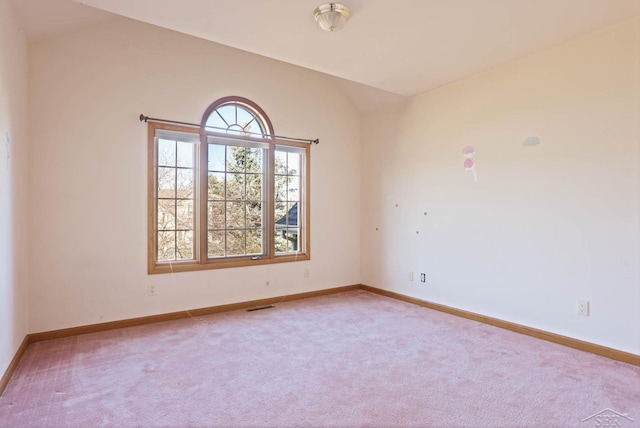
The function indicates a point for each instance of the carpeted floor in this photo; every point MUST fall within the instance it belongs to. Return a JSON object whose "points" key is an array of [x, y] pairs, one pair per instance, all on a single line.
{"points": [[352, 359]]}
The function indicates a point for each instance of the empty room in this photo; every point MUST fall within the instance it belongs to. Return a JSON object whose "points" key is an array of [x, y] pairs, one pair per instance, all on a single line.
{"points": [[289, 213]]}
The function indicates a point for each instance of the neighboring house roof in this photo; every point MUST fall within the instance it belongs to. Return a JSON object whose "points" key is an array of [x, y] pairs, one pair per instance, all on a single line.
{"points": [[290, 219]]}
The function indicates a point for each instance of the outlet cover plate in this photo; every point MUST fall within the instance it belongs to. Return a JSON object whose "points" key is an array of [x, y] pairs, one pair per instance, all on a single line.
{"points": [[583, 307]]}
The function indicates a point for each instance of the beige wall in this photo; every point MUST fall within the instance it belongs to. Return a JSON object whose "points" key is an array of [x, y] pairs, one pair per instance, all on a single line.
{"points": [[13, 186], [88, 170], [544, 225]]}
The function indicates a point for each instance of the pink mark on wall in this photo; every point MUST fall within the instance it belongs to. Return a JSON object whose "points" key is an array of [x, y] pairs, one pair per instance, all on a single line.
{"points": [[469, 165], [468, 151]]}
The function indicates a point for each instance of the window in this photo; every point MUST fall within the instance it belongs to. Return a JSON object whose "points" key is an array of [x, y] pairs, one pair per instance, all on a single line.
{"points": [[226, 194]]}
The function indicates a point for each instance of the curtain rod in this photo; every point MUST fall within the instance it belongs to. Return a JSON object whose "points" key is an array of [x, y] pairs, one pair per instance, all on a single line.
{"points": [[195, 125]]}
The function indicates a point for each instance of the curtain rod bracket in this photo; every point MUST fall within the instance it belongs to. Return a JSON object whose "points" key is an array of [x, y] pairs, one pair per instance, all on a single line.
{"points": [[143, 117]]}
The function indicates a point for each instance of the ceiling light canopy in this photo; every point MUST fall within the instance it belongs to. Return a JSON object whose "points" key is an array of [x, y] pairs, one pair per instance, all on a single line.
{"points": [[331, 16]]}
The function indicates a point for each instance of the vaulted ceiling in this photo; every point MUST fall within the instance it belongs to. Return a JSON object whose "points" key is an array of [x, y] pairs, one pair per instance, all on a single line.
{"points": [[399, 47]]}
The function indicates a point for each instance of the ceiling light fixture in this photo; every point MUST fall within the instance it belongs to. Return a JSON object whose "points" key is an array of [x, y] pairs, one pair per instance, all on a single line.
{"points": [[331, 16]]}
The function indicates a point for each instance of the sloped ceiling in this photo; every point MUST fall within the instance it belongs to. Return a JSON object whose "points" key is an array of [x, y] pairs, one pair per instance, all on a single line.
{"points": [[402, 46], [391, 49]]}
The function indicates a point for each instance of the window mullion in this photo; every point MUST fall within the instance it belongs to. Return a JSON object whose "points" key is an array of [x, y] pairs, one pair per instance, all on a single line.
{"points": [[270, 169], [195, 152], [175, 203], [305, 201], [152, 197], [203, 203], [226, 199], [244, 203]]}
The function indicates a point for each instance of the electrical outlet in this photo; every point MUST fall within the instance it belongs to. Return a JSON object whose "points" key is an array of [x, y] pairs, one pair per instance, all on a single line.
{"points": [[423, 277], [583, 307], [411, 276], [306, 272], [153, 291]]}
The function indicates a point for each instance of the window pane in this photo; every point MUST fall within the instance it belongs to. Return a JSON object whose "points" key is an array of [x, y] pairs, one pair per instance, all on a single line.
{"points": [[235, 215], [184, 214], [228, 114], [280, 241], [293, 163], [293, 189], [235, 243], [281, 162], [281, 187], [287, 241], [166, 246], [215, 244], [185, 245], [254, 160], [280, 212], [254, 241], [214, 120], [254, 214], [166, 214], [292, 240], [236, 158], [254, 187], [216, 157], [166, 152], [184, 183], [185, 154], [166, 182], [246, 122], [292, 214], [216, 186], [235, 186], [215, 212]]}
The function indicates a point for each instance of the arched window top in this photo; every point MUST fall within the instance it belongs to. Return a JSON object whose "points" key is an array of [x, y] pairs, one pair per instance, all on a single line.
{"points": [[237, 116]]}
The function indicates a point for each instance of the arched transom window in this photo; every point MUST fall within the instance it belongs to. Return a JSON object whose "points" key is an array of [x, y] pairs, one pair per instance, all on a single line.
{"points": [[237, 116]]}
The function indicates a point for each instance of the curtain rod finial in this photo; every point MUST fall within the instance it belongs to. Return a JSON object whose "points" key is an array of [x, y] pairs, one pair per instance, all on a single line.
{"points": [[143, 117], [316, 141]]}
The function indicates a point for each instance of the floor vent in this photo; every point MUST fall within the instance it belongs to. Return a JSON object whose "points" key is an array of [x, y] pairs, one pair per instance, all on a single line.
{"points": [[259, 308]]}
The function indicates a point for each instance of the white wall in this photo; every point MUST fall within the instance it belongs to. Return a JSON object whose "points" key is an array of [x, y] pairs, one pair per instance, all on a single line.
{"points": [[544, 225], [88, 170], [13, 186]]}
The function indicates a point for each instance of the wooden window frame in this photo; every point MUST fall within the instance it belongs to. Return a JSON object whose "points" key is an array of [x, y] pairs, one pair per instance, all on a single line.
{"points": [[201, 260]]}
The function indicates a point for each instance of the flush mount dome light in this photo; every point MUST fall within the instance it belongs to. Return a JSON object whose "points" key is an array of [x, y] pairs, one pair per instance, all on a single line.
{"points": [[331, 16]]}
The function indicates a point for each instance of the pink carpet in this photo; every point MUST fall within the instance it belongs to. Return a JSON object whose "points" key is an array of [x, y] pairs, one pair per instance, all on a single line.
{"points": [[352, 359]]}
